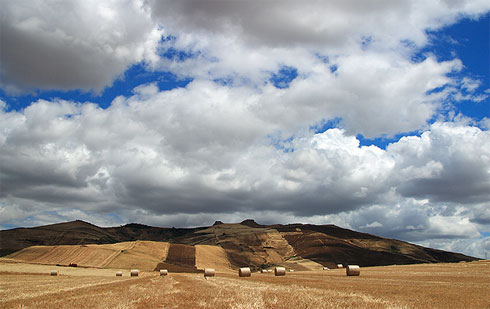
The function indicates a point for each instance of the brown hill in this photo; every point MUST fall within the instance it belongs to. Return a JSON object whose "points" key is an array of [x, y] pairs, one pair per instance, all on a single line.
{"points": [[296, 246], [79, 233]]}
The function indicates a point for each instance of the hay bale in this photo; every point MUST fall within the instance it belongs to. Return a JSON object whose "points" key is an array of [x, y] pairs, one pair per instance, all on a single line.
{"points": [[134, 272], [244, 272], [325, 268], [163, 272], [118, 273], [54, 273], [280, 271], [353, 270], [340, 266], [291, 270], [208, 272], [263, 271], [269, 270]]}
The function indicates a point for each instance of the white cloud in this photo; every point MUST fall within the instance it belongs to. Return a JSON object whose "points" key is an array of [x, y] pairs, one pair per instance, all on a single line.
{"points": [[334, 25], [127, 160], [249, 38], [75, 44], [478, 247], [209, 151], [447, 164]]}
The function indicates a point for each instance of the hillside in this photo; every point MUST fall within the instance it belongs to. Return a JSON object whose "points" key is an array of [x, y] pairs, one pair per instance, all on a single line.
{"points": [[227, 246], [143, 255], [81, 233]]}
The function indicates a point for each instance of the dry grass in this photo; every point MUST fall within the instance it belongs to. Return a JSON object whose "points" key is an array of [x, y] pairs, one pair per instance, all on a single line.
{"points": [[213, 257], [88, 255], [462, 285], [144, 255], [299, 263]]}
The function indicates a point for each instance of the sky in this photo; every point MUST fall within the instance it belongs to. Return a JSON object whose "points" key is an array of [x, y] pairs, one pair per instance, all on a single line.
{"points": [[371, 115]]}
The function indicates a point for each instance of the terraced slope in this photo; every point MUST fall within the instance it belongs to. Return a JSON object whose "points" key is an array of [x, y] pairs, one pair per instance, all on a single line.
{"points": [[143, 255], [86, 255]]}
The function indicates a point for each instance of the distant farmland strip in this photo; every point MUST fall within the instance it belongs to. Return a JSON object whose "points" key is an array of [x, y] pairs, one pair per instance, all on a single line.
{"points": [[180, 258]]}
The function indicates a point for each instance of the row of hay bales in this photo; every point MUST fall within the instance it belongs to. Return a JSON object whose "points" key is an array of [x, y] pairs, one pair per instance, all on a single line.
{"points": [[135, 272], [351, 270], [246, 271]]}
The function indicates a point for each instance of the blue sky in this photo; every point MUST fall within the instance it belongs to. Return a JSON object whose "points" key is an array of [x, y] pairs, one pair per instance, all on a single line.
{"points": [[180, 114]]}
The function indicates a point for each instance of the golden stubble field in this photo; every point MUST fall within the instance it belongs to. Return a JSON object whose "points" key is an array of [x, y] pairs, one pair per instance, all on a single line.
{"points": [[460, 285]]}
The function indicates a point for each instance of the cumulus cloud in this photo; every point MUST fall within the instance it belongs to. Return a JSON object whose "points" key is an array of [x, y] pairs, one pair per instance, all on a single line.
{"points": [[72, 45], [234, 143], [479, 247], [334, 24], [456, 169], [248, 38], [126, 160], [353, 61]]}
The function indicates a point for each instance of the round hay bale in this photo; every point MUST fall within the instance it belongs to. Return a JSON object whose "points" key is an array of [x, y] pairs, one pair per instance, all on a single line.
{"points": [[340, 266], [269, 270], [353, 270], [280, 271], [134, 272], [54, 273], [163, 272], [291, 270], [325, 268], [118, 273], [244, 272], [263, 271], [208, 272]]}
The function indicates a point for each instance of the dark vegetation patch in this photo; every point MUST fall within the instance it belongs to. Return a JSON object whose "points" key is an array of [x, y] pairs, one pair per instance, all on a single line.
{"points": [[180, 258]]}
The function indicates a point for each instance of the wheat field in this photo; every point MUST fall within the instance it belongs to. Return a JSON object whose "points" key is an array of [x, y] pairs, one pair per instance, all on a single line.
{"points": [[460, 285], [144, 255]]}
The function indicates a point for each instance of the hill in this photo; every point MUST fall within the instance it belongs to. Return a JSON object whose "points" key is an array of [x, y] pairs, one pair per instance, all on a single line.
{"points": [[82, 233], [228, 246]]}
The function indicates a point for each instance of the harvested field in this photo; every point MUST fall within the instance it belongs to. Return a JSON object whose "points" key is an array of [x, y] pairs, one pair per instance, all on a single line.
{"points": [[213, 257], [144, 255], [461, 285], [87, 255], [298, 263]]}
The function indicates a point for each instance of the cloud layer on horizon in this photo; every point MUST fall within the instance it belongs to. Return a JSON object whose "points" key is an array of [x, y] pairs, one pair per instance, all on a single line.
{"points": [[233, 144]]}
